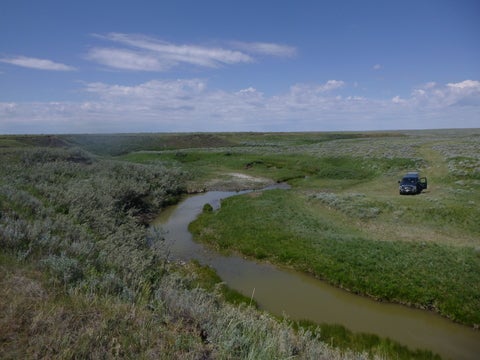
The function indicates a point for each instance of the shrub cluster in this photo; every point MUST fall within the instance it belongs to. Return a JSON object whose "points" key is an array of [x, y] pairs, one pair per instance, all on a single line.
{"points": [[463, 158], [368, 148], [353, 204], [83, 219], [181, 321]]}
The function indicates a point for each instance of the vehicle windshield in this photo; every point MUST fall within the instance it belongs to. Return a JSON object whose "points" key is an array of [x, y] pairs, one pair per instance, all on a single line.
{"points": [[409, 180]]}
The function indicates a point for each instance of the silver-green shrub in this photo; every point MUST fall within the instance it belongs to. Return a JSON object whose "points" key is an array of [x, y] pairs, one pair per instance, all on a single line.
{"points": [[78, 214]]}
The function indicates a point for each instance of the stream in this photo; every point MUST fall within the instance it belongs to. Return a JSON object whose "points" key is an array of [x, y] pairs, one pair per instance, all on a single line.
{"points": [[300, 296]]}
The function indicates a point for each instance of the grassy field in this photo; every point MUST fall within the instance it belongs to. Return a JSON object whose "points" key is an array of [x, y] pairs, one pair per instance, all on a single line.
{"points": [[344, 221], [81, 273]]}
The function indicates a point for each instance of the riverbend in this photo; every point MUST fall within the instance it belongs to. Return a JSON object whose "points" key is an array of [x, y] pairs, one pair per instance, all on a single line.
{"points": [[299, 296]]}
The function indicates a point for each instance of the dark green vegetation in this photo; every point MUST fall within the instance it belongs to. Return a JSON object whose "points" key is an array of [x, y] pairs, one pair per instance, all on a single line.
{"points": [[118, 144], [82, 274], [340, 337]]}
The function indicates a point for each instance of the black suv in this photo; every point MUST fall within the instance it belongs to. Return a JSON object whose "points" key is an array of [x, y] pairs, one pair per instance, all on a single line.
{"points": [[412, 183]]}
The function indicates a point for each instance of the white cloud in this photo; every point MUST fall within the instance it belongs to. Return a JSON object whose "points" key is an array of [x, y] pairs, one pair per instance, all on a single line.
{"points": [[249, 90], [433, 95], [466, 85], [266, 48], [332, 85], [312, 92], [7, 108], [398, 100], [126, 59], [154, 92], [377, 67], [35, 63], [429, 85], [145, 53], [328, 86], [189, 105], [200, 55]]}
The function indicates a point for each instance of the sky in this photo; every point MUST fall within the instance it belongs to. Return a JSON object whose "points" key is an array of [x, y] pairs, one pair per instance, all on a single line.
{"points": [[217, 65]]}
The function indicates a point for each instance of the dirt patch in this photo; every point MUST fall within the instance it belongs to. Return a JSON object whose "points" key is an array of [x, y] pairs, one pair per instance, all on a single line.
{"points": [[249, 178], [237, 181]]}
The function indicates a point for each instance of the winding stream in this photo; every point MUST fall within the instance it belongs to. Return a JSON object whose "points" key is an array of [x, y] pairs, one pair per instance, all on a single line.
{"points": [[299, 296]]}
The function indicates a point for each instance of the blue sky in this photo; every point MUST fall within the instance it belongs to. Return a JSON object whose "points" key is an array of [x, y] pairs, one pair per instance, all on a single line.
{"points": [[167, 66]]}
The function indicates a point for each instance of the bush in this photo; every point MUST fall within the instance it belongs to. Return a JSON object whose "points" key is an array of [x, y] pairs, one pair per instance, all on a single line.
{"points": [[83, 219], [207, 208], [64, 269]]}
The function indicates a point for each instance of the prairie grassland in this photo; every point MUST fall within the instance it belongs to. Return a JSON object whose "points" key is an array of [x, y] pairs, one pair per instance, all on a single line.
{"points": [[82, 275]]}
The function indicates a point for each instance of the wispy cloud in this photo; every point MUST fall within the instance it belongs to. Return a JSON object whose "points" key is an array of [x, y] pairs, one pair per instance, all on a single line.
{"points": [[140, 52], [35, 63], [263, 48], [151, 91], [200, 55], [127, 59], [317, 88]]}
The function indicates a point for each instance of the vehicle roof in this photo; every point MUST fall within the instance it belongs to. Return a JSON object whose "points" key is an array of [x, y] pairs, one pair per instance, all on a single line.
{"points": [[412, 174]]}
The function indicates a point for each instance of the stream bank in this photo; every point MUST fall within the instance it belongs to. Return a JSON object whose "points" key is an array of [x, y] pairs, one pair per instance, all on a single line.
{"points": [[299, 296]]}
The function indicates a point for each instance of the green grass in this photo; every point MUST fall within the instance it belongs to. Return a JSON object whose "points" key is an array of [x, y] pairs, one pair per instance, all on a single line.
{"points": [[279, 167], [285, 228], [9, 142], [119, 144], [340, 337], [206, 278]]}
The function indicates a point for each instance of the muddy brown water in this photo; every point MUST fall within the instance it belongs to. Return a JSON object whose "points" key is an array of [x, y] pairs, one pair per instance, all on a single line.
{"points": [[299, 296]]}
